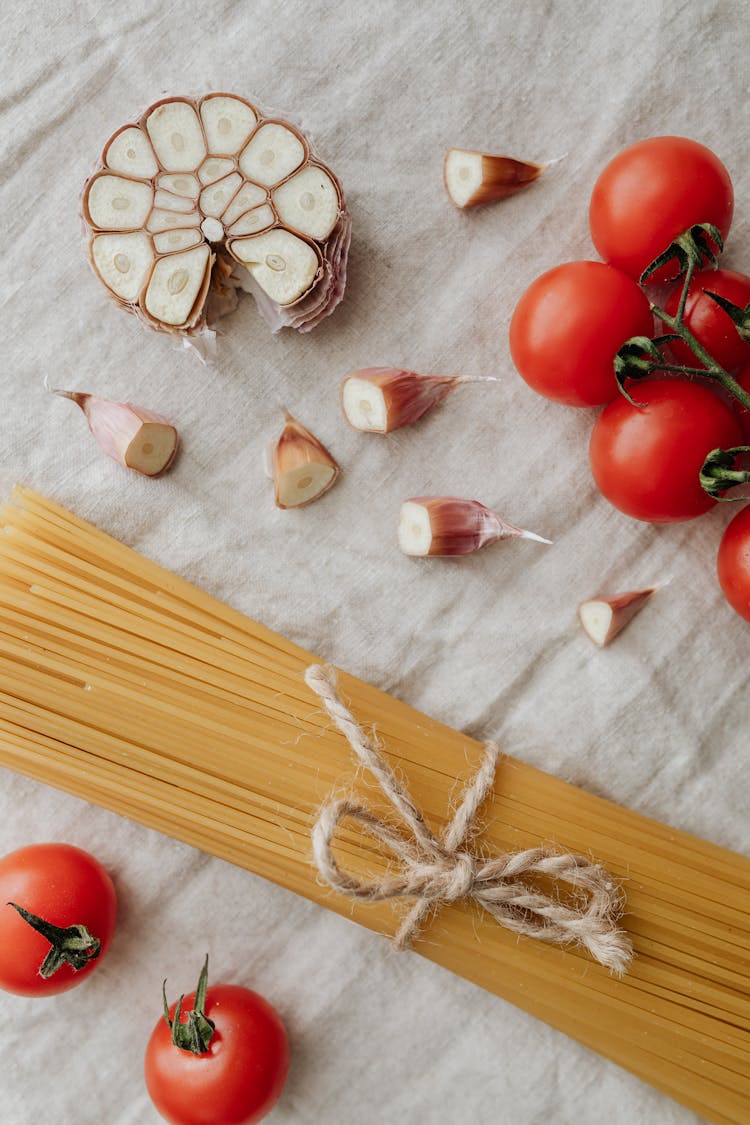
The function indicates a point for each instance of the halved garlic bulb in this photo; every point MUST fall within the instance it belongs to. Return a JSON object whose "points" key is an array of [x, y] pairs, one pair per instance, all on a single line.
{"points": [[194, 184]]}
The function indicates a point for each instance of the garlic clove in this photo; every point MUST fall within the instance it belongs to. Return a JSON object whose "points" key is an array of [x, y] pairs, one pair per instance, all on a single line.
{"points": [[170, 241], [129, 151], [180, 183], [176, 135], [252, 222], [123, 262], [308, 202], [115, 203], [215, 198], [284, 266], [273, 153], [603, 618], [249, 196], [227, 122], [175, 284], [449, 526], [130, 435], [171, 202], [472, 178], [160, 220], [381, 399], [215, 168], [302, 467]]}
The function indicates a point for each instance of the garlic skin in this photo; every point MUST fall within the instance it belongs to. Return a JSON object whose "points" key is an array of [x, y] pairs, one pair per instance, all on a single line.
{"points": [[193, 181], [448, 526], [603, 618], [136, 438], [378, 400], [301, 466], [472, 178]]}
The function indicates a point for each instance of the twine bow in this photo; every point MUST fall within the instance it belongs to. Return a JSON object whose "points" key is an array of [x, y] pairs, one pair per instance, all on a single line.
{"points": [[442, 870]]}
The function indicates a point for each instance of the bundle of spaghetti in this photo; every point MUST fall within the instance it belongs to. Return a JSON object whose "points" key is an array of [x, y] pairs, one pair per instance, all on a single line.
{"points": [[124, 685]]}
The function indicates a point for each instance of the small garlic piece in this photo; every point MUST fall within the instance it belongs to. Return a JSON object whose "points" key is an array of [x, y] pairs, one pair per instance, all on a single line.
{"points": [[302, 467], [136, 438], [446, 525], [603, 618], [473, 177], [378, 400]]}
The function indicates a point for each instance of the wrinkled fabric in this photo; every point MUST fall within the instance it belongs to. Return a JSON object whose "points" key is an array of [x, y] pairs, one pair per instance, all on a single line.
{"points": [[490, 643]]}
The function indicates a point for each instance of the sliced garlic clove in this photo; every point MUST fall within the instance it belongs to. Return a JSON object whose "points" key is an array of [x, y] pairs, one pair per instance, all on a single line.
{"points": [[381, 399], [130, 435], [129, 151], [115, 203], [215, 169], [215, 199], [309, 202], [284, 266], [177, 136], [472, 178], [170, 202], [123, 262], [449, 526], [249, 196], [228, 122], [302, 467], [252, 222], [175, 284], [604, 617], [170, 220], [169, 242], [180, 183], [274, 152]]}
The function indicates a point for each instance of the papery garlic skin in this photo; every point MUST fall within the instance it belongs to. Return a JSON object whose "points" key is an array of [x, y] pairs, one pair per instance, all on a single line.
{"points": [[450, 526], [472, 178], [137, 438], [604, 618], [214, 172], [301, 466]]}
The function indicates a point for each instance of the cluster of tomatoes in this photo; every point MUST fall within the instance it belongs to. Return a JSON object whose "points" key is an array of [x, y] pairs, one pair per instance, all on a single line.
{"points": [[218, 1057], [659, 214]]}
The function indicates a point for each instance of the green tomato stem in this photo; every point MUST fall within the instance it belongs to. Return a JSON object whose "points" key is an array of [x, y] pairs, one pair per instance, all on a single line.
{"points": [[69, 945], [712, 369], [684, 295], [196, 1033]]}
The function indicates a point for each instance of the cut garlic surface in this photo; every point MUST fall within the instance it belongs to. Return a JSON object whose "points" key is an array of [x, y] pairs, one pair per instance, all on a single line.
{"points": [[212, 180], [472, 178]]}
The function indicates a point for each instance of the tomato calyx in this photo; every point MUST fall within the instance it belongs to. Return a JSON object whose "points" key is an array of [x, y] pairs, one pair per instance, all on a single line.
{"points": [[740, 316], [195, 1034], [70, 945], [720, 472], [638, 358], [695, 246]]}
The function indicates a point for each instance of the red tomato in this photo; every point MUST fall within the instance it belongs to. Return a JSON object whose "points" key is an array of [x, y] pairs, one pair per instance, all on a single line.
{"points": [[652, 192], [238, 1079], [743, 378], [568, 326], [65, 887], [733, 564], [711, 326], [646, 460]]}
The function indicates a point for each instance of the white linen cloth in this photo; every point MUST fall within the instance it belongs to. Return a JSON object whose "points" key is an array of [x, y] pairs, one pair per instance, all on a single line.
{"points": [[490, 644]]}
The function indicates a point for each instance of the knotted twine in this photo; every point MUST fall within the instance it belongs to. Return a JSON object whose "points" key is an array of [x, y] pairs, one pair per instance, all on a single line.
{"points": [[436, 871]]}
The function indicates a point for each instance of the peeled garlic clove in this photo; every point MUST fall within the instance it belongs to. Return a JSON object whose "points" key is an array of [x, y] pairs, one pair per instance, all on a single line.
{"points": [[136, 438], [381, 399], [274, 152], [302, 467], [446, 525], [472, 177], [604, 617]]}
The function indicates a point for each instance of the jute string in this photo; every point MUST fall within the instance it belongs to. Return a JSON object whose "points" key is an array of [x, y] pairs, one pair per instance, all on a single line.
{"points": [[435, 871]]}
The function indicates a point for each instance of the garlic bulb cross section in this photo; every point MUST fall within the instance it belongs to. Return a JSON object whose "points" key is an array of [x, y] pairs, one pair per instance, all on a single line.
{"points": [[226, 192]]}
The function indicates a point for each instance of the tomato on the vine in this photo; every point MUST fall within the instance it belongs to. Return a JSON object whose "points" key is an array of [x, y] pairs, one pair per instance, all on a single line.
{"points": [[651, 193], [646, 459], [219, 1056], [743, 378], [57, 916], [733, 563], [712, 327], [568, 326]]}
